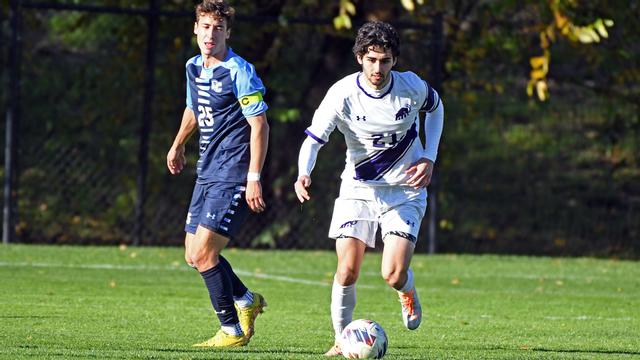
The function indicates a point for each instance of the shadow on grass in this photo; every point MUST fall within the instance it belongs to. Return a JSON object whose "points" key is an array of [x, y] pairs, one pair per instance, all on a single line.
{"points": [[533, 349], [587, 351], [241, 350], [30, 316]]}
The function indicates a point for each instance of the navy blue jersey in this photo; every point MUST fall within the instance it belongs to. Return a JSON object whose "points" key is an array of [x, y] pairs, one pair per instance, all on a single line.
{"points": [[222, 98]]}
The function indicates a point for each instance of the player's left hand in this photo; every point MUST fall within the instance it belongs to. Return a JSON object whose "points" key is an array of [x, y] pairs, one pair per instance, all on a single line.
{"points": [[254, 198], [420, 173]]}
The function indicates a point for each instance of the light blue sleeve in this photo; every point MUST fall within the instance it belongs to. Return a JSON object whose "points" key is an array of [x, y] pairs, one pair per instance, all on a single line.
{"points": [[248, 85], [189, 103]]}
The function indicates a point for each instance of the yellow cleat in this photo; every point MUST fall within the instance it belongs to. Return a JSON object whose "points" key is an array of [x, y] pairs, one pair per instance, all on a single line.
{"points": [[248, 315], [223, 340]]}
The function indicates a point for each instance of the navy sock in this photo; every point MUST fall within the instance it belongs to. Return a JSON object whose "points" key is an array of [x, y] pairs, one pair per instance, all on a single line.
{"points": [[238, 287], [218, 283]]}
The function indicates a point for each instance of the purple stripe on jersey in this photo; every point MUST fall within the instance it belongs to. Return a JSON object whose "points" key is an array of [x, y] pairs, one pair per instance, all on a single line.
{"points": [[395, 162], [314, 137], [375, 167], [428, 102], [371, 96]]}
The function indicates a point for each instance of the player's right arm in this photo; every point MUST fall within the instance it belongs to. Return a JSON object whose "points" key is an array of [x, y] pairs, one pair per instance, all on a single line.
{"points": [[323, 123], [306, 162], [175, 157]]}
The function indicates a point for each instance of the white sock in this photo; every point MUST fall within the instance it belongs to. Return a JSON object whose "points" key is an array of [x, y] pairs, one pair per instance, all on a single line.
{"points": [[343, 301], [233, 330], [408, 286], [245, 300]]}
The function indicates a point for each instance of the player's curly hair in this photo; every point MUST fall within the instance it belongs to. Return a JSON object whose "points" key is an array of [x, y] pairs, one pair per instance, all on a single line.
{"points": [[377, 34], [217, 8]]}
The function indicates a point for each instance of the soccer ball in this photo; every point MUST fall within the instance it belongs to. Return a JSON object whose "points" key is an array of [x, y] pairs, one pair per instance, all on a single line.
{"points": [[363, 339]]}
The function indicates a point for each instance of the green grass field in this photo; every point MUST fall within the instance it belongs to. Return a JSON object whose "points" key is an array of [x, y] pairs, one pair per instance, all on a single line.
{"points": [[127, 303]]}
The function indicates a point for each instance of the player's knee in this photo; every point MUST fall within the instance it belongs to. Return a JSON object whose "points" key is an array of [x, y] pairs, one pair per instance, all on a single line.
{"points": [[202, 259], [394, 276], [346, 276]]}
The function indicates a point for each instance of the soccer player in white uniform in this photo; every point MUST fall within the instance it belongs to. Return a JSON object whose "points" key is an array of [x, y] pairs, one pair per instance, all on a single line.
{"points": [[386, 173]]}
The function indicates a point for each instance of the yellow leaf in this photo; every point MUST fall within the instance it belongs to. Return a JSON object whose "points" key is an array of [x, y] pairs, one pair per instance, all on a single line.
{"points": [[551, 34], [602, 30], [530, 85], [408, 4], [538, 74], [544, 40], [583, 36], [541, 90], [608, 22], [338, 22], [349, 7], [347, 22], [592, 33], [538, 61], [561, 20]]}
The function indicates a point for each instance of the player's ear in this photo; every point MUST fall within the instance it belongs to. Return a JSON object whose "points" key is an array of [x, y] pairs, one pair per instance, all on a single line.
{"points": [[395, 61], [195, 28], [228, 34], [359, 58]]}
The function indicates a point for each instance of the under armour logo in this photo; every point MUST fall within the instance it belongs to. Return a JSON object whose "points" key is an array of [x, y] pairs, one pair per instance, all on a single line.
{"points": [[210, 216], [361, 118], [410, 223]]}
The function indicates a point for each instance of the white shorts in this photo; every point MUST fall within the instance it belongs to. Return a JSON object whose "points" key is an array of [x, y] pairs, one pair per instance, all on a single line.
{"points": [[360, 209]]}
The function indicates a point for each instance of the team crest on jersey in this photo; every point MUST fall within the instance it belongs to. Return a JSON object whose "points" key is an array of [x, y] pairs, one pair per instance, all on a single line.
{"points": [[404, 112]]}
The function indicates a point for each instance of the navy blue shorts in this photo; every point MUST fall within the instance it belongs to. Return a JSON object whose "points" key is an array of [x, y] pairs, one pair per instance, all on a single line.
{"points": [[219, 207]]}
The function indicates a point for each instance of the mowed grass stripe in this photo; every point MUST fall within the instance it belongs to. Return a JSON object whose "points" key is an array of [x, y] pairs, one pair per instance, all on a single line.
{"points": [[107, 302]]}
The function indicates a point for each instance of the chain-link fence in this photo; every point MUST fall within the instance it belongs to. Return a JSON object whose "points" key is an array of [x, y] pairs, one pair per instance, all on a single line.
{"points": [[92, 125], [78, 142]]}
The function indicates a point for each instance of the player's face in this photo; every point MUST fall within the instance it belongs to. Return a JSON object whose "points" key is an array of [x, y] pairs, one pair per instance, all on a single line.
{"points": [[376, 66], [212, 34]]}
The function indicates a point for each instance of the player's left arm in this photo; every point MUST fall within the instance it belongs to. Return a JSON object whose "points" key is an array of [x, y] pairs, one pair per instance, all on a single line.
{"points": [[422, 170], [258, 145], [249, 90]]}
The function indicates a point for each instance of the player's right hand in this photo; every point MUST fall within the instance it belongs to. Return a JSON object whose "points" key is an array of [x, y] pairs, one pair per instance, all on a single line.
{"points": [[176, 159], [301, 187]]}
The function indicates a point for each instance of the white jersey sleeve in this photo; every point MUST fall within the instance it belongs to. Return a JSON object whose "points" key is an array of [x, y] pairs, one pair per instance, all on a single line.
{"points": [[308, 155], [327, 115]]}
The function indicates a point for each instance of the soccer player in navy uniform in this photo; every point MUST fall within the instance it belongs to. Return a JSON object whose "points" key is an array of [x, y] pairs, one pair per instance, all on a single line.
{"points": [[386, 173], [224, 102]]}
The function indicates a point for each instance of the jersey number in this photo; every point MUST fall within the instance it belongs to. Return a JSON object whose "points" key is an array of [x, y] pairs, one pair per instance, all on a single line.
{"points": [[380, 144], [206, 117]]}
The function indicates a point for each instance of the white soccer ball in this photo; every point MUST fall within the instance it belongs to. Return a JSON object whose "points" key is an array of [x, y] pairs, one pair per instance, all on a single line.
{"points": [[363, 339]]}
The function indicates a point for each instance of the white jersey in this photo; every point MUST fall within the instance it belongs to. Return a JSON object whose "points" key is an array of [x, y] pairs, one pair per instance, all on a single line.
{"points": [[380, 127]]}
